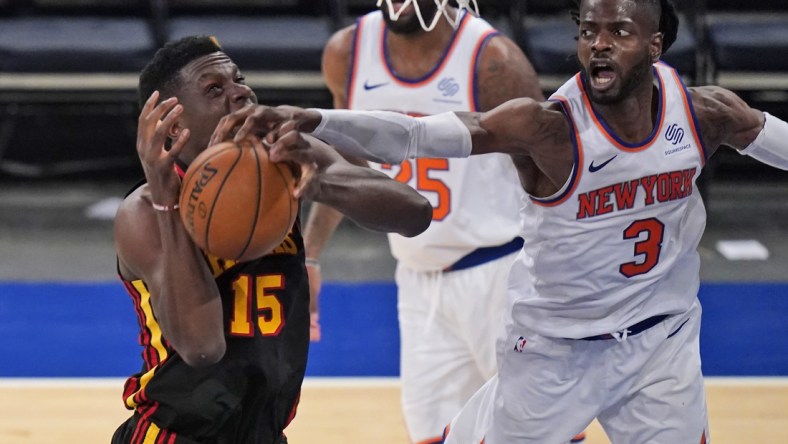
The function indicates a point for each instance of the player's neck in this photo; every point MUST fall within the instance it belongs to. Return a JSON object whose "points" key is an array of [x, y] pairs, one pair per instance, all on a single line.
{"points": [[414, 55], [633, 118]]}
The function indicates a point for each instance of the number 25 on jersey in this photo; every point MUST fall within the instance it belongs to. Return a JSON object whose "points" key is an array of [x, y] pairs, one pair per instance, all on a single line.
{"points": [[427, 184]]}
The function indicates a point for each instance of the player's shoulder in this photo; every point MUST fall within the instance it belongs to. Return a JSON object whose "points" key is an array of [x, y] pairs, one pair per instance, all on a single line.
{"points": [[134, 200], [715, 103], [341, 41], [504, 72], [711, 93], [135, 231], [135, 218]]}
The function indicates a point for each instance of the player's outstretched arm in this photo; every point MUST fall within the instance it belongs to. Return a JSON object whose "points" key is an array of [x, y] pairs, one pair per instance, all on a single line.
{"points": [[153, 245], [390, 137], [368, 197], [518, 126], [726, 119]]}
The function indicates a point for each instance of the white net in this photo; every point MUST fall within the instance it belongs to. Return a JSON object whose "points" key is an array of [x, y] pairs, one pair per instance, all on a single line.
{"points": [[443, 10]]}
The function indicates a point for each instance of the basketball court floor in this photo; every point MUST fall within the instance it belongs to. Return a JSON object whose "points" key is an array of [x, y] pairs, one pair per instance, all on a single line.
{"points": [[58, 263]]}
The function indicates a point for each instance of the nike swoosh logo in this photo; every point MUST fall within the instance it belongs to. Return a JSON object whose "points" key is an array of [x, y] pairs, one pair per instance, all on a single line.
{"points": [[594, 168], [368, 87]]}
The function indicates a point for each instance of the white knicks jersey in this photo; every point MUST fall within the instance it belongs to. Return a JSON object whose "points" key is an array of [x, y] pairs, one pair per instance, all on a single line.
{"points": [[475, 201], [619, 243]]}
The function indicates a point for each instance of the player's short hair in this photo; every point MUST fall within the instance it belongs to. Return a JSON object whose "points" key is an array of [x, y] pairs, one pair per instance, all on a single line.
{"points": [[161, 73], [668, 18]]}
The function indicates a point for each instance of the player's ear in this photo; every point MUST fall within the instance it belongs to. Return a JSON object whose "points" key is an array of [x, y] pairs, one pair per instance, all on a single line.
{"points": [[655, 46], [174, 131]]}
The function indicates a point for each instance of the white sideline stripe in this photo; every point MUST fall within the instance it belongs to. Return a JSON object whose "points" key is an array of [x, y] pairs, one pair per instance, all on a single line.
{"points": [[334, 382], [745, 381]]}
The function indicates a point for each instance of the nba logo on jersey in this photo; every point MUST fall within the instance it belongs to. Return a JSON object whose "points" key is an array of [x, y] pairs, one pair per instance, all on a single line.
{"points": [[520, 344]]}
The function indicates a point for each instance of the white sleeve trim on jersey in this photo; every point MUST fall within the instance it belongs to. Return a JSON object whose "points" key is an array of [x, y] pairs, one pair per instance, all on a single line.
{"points": [[771, 145], [389, 137]]}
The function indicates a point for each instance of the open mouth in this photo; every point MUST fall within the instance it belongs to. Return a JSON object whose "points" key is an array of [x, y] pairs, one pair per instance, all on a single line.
{"points": [[602, 75]]}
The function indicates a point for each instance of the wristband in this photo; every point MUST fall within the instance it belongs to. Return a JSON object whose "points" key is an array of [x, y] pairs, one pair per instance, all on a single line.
{"points": [[165, 208], [312, 262]]}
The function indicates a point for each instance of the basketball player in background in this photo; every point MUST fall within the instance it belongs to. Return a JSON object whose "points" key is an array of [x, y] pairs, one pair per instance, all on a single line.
{"points": [[224, 343], [451, 279], [605, 317]]}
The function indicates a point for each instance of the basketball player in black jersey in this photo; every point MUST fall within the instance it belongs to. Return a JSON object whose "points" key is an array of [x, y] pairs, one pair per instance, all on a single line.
{"points": [[224, 343]]}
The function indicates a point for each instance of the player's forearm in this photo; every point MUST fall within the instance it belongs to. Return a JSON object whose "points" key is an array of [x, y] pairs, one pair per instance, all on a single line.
{"points": [[373, 200], [389, 137], [771, 144], [187, 301]]}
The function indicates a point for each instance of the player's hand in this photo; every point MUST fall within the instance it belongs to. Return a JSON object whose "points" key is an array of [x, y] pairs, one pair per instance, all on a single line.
{"points": [[315, 282], [262, 120], [311, 154], [154, 124]]}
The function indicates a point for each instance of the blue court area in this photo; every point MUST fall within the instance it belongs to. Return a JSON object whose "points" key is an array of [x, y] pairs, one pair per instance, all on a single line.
{"points": [[89, 330]]}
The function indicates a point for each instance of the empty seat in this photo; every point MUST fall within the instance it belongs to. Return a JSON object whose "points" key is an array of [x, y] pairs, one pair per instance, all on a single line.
{"points": [[748, 36], [276, 35], [71, 36]]}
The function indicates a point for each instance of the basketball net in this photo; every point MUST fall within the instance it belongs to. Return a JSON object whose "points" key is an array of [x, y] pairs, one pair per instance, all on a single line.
{"points": [[443, 9]]}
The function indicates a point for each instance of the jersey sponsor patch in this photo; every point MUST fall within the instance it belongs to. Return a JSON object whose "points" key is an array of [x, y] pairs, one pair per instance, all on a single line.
{"points": [[675, 135]]}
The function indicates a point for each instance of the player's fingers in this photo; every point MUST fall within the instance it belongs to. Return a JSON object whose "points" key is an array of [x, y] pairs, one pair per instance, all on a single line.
{"points": [[165, 124], [269, 139], [308, 171], [149, 104], [262, 120], [251, 120], [162, 109], [287, 127], [229, 122], [162, 130], [288, 147]]}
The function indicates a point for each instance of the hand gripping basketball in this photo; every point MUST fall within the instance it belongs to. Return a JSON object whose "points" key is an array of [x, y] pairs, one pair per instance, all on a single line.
{"points": [[236, 203]]}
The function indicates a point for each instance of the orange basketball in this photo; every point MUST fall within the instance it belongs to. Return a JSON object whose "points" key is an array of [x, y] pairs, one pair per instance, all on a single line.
{"points": [[235, 203]]}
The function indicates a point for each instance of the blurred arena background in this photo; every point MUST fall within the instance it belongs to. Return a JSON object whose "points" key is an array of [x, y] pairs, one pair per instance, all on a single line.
{"points": [[68, 110]]}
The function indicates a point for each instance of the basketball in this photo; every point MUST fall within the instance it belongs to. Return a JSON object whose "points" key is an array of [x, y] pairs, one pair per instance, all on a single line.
{"points": [[235, 203]]}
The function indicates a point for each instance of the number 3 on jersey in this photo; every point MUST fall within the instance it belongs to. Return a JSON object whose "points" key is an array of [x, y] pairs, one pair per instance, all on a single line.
{"points": [[427, 184], [270, 313], [649, 248]]}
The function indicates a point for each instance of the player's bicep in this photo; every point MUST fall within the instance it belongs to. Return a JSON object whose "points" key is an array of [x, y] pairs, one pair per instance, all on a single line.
{"points": [[725, 119], [511, 128]]}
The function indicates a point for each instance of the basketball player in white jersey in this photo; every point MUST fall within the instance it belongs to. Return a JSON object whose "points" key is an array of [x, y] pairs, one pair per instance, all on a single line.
{"points": [[604, 311], [451, 280]]}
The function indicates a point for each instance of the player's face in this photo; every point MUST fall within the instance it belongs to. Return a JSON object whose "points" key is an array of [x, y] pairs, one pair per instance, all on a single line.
{"points": [[210, 88], [408, 22], [617, 45]]}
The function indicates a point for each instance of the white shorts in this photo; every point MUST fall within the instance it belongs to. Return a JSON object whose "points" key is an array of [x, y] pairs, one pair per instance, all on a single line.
{"points": [[449, 323], [645, 389]]}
